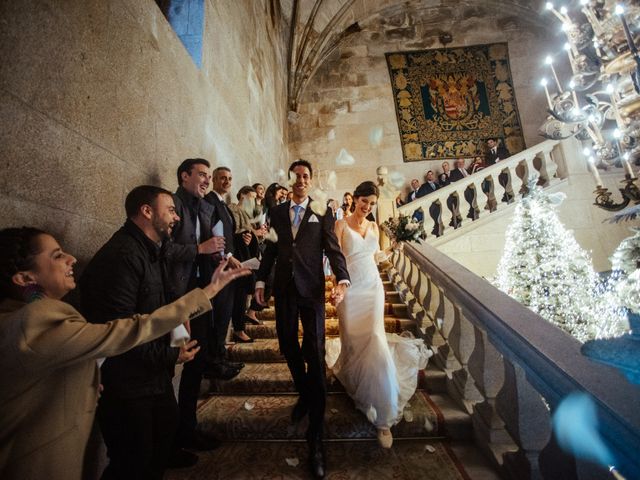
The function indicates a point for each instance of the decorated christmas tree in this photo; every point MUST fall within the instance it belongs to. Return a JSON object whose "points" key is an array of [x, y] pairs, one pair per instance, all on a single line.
{"points": [[544, 268]]}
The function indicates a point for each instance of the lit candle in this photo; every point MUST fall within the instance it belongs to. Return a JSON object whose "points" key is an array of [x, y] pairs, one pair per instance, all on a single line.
{"points": [[572, 86], [594, 172], [549, 61], [627, 165], [543, 82]]}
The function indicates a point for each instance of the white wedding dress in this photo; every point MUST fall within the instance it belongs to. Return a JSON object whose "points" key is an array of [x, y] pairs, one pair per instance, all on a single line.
{"points": [[378, 370]]}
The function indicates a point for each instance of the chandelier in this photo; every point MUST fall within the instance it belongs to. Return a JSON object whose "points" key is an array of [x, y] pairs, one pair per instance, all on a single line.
{"points": [[600, 104]]}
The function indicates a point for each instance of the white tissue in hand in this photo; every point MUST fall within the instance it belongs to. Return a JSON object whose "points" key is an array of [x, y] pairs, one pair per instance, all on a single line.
{"points": [[218, 229], [344, 158], [271, 236], [375, 136], [248, 405], [292, 462], [179, 336], [251, 264], [372, 414]]}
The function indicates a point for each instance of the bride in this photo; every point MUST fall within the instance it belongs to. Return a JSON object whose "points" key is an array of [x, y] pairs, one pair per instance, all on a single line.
{"points": [[378, 370]]}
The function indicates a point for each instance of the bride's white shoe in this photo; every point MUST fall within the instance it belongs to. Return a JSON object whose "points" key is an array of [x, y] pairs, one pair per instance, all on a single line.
{"points": [[385, 438]]}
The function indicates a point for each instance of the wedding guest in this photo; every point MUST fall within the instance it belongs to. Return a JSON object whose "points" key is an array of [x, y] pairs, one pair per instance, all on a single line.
{"points": [[260, 193], [138, 412], [459, 172], [413, 193], [49, 383], [476, 165], [223, 306], [333, 205], [429, 184], [346, 209], [443, 178], [190, 260], [241, 214], [495, 152]]}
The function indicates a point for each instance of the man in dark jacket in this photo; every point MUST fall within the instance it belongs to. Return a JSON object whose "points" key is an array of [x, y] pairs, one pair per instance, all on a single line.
{"points": [[190, 260], [223, 304], [137, 412]]}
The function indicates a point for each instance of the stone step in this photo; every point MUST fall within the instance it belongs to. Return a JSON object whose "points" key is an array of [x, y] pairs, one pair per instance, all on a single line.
{"points": [[391, 308], [391, 325], [346, 460], [269, 378], [267, 417]]}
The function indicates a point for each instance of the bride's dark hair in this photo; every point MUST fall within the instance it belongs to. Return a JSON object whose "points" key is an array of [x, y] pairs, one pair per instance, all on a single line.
{"points": [[365, 189]]}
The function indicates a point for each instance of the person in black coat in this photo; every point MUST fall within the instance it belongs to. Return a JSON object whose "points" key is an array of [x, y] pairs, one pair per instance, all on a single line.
{"points": [[413, 193], [223, 305], [137, 413], [298, 289], [429, 185], [443, 178], [495, 152], [189, 257]]}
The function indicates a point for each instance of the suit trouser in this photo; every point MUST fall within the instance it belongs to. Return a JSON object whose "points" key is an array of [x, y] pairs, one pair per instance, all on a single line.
{"points": [[222, 311], [243, 287], [192, 376], [139, 434], [306, 362]]}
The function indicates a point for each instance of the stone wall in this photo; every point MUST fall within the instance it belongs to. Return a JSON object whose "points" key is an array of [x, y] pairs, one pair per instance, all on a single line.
{"points": [[350, 95], [97, 97]]}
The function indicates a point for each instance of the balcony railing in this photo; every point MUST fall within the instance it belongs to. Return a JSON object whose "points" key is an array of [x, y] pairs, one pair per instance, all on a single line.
{"points": [[488, 190], [510, 368]]}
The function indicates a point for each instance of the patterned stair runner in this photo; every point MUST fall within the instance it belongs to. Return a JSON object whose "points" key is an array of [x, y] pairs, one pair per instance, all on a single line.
{"points": [[254, 408]]}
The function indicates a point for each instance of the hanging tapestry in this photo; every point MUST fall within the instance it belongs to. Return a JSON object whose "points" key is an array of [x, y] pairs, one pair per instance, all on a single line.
{"points": [[449, 101]]}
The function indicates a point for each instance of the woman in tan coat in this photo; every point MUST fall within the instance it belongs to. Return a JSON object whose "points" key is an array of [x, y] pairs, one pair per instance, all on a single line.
{"points": [[49, 378]]}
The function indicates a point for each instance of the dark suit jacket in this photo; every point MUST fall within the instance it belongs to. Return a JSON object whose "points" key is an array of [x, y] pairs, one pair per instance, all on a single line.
{"points": [[444, 180], [300, 260], [492, 158], [181, 253], [426, 189], [125, 277], [455, 175], [409, 199], [222, 212]]}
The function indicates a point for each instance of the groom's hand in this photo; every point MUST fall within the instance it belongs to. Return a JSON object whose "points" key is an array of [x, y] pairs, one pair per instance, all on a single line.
{"points": [[259, 294], [338, 293]]}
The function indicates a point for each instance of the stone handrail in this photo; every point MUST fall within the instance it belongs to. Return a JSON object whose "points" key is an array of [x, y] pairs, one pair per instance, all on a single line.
{"points": [[488, 190], [510, 368]]}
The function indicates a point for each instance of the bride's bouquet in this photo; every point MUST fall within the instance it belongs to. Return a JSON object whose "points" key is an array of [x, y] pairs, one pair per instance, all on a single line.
{"points": [[404, 228]]}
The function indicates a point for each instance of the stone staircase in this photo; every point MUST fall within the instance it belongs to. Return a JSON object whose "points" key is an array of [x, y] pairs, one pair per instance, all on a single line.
{"points": [[252, 411]]}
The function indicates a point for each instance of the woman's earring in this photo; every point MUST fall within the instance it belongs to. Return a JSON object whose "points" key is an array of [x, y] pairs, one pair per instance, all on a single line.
{"points": [[32, 292]]}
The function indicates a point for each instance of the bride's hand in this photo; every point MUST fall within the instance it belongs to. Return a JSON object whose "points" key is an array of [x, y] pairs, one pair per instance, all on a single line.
{"points": [[337, 294]]}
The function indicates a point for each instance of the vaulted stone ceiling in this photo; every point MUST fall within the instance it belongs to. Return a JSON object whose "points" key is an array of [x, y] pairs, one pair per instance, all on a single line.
{"points": [[321, 26]]}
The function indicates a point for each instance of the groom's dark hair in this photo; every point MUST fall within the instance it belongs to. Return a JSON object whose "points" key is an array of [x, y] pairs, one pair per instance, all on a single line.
{"points": [[301, 163]]}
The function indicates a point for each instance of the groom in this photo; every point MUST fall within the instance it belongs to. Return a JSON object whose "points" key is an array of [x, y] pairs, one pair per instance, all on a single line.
{"points": [[298, 290]]}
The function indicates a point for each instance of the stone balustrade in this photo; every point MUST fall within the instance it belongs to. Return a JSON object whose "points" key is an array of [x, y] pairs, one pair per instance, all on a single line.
{"points": [[510, 368], [488, 190]]}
